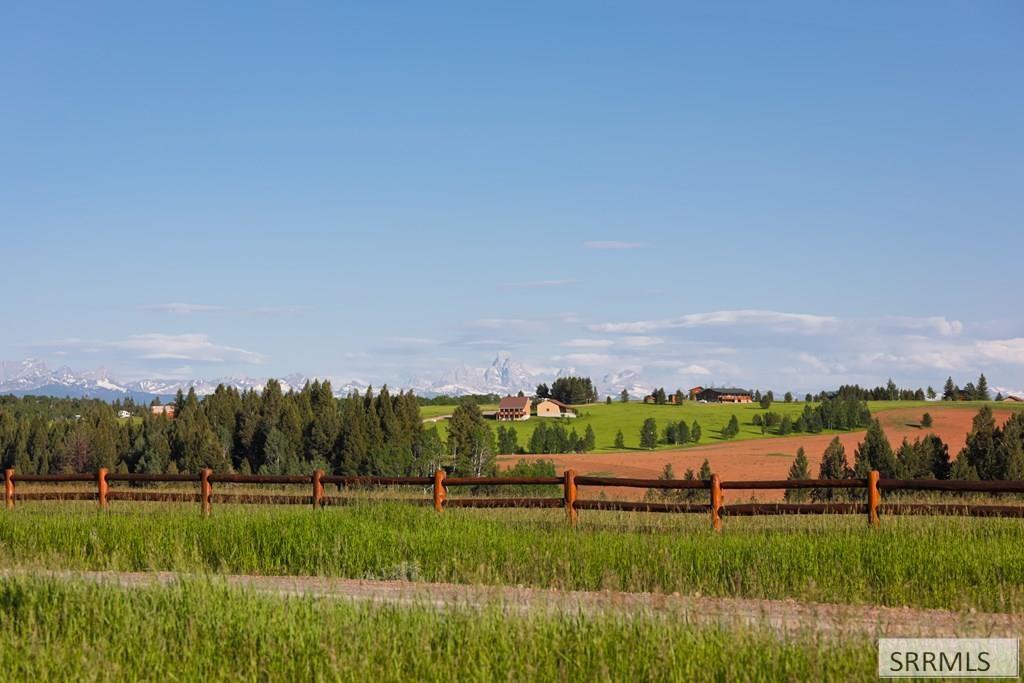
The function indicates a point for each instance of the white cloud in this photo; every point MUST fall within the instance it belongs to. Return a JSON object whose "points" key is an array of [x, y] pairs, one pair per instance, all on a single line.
{"points": [[179, 308], [694, 369], [639, 342], [612, 244], [776, 321], [1002, 350], [937, 324], [156, 346], [818, 365], [588, 343]]}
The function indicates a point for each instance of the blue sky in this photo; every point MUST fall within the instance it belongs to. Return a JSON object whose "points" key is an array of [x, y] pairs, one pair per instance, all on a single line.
{"points": [[790, 196]]}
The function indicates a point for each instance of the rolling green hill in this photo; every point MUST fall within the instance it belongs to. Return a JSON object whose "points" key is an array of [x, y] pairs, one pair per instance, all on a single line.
{"points": [[608, 419]]}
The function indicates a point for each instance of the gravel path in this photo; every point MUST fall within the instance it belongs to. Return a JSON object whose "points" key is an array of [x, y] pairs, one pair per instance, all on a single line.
{"points": [[782, 616]]}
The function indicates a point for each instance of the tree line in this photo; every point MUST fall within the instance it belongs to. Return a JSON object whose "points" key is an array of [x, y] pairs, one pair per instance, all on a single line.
{"points": [[571, 390], [970, 392], [991, 452], [269, 432]]}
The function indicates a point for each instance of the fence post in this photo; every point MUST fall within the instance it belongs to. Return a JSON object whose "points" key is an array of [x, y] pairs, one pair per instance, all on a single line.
{"points": [[318, 489], [439, 492], [205, 489], [569, 486], [716, 502], [873, 498], [101, 487], [9, 488]]}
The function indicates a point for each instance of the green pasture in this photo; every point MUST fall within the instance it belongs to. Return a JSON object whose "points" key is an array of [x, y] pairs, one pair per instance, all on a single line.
{"points": [[606, 419], [950, 563], [204, 630]]}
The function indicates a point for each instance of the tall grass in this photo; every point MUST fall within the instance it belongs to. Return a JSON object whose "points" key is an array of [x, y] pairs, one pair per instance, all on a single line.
{"points": [[202, 631], [926, 562]]}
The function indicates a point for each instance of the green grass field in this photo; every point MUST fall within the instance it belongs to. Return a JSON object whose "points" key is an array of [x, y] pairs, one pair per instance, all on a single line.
{"points": [[924, 562], [199, 630], [629, 417]]}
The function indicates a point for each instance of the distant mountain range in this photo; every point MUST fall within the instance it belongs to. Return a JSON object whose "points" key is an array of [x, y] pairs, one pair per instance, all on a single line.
{"points": [[503, 376]]}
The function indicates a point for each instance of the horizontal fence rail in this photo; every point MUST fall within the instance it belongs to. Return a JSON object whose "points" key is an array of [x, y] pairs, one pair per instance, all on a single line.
{"points": [[439, 485]]}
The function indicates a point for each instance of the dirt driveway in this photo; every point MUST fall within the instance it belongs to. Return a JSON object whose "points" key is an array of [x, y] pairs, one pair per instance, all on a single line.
{"points": [[781, 616]]}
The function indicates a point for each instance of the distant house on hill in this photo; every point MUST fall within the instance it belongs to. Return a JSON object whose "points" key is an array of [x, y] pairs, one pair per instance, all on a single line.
{"points": [[695, 391], [670, 399], [513, 408], [725, 395], [166, 411], [550, 407]]}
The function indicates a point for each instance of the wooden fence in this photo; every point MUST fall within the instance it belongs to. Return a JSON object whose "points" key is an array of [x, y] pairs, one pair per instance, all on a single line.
{"points": [[570, 482]]}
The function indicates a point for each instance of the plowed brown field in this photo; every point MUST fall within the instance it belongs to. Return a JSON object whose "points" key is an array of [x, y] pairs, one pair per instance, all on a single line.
{"points": [[764, 458]]}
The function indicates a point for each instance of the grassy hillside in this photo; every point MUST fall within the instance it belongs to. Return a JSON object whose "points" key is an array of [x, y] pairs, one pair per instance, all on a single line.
{"points": [[608, 419]]}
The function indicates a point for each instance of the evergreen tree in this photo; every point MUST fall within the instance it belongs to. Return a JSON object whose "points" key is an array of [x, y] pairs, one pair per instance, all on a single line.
{"points": [[833, 466], [930, 393], [1010, 453], [649, 434], [670, 433], [607, 400], [950, 391], [666, 495], [695, 432], [38, 445], [589, 439], [279, 454], [624, 396], [981, 392], [962, 470], [875, 453], [682, 433], [926, 420], [573, 390], [705, 471], [788, 398], [731, 429], [799, 470], [785, 425], [620, 440], [981, 448]]}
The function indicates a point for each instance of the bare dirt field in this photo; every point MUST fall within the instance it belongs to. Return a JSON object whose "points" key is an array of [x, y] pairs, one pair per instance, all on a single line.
{"points": [[781, 616], [765, 458]]}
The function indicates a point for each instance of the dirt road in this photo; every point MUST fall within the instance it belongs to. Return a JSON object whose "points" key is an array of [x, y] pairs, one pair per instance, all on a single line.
{"points": [[781, 616]]}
